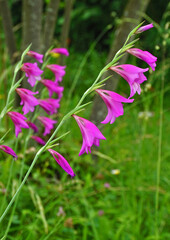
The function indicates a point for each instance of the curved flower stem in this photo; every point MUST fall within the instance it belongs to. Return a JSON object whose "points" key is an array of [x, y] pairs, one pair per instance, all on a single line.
{"points": [[76, 108]]}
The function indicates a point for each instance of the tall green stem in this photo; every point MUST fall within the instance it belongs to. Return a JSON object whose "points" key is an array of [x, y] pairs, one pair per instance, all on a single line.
{"points": [[78, 107], [159, 151]]}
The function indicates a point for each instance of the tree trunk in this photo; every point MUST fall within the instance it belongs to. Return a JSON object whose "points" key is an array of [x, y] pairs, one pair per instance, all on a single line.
{"points": [[131, 17], [31, 28], [51, 16], [7, 25], [32, 22], [66, 27]]}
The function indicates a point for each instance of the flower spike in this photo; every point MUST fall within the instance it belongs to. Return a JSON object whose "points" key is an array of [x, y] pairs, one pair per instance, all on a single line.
{"points": [[53, 87], [48, 124], [145, 56], [62, 51], [133, 75], [62, 162], [144, 28], [38, 140], [90, 133], [33, 72], [37, 56], [27, 99], [9, 151], [114, 104], [33, 126], [49, 105], [58, 71], [19, 121]]}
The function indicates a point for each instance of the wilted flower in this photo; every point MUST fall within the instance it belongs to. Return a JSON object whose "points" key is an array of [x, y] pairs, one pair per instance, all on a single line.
{"points": [[90, 133], [33, 126], [145, 56], [53, 87], [27, 99], [114, 104], [49, 105], [48, 124], [144, 28], [38, 140], [62, 162], [133, 75], [62, 51], [58, 71], [19, 121], [9, 151], [32, 71], [37, 56]]}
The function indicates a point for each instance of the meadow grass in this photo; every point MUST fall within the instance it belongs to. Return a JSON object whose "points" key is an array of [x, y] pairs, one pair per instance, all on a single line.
{"points": [[126, 210]]}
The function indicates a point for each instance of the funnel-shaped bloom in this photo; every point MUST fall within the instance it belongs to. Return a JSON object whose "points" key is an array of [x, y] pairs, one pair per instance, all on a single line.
{"points": [[90, 133], [19, 121], [37, 56], [27, 99], [145, 56], [48, 124], [53, 87], [38, 140], [114, 104], [144, 28], [62, 162], [133, 75], [32, 71], [62, 51], [33, 126], [49, 105], [58, 71], [9, 151]]}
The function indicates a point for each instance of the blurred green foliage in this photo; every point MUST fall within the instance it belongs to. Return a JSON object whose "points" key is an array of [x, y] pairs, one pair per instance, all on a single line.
{"points": [[126, 209]]}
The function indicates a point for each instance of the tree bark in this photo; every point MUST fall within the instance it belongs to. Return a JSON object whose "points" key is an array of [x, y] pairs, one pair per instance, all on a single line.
{"points": [[8, 30], [32, 22], [31, 28], [65, 27], [49, 28], [131, 17]]}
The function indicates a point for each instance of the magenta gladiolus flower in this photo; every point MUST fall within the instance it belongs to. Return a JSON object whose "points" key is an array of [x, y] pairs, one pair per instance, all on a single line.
{"points": [[38, 140], [145, 56], [62, 162], [32, 71], [19, 121], [114, 104], [144, 28], [62, 51], [53, 87], [48, 124], [49, 105], [37, 56], [9, 151], [133, 75], [27, 99], [58, 71], [90, 133], [33, 126]]}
